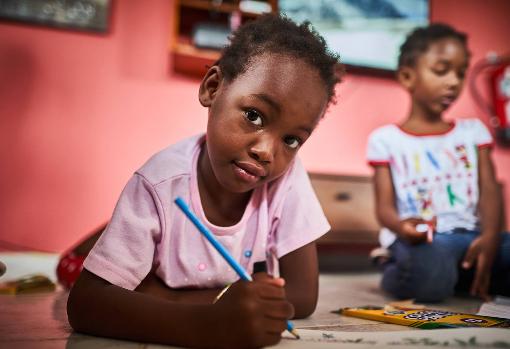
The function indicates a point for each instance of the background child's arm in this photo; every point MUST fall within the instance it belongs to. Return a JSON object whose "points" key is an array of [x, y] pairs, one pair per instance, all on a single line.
{"points": [[483, 250], [490, 197], [250, 314], [300, 271], [386, 209]]}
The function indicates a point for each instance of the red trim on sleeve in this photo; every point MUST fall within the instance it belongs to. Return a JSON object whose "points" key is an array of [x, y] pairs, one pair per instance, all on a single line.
{"points": [[379, 163], [485, 145]]}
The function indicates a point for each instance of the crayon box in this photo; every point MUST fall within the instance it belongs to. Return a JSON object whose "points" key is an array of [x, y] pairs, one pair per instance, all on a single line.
{"points": [[424, 318]]}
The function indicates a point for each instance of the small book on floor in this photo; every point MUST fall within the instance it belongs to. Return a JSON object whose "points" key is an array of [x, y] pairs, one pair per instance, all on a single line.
{"points": [[28, 284]]}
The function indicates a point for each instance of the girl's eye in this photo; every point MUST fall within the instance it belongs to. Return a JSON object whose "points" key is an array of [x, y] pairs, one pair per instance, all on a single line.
{"points": [[253, 117], [440, 72], [292, 142]]}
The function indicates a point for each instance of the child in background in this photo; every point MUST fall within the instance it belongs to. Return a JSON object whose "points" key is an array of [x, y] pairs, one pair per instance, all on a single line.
{"points": [[430, 172], [151, 276]]}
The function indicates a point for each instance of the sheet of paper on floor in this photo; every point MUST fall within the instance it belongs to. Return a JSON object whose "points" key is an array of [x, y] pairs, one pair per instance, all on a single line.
{"points": [[451, 338], [20, 264], [499, 307]]}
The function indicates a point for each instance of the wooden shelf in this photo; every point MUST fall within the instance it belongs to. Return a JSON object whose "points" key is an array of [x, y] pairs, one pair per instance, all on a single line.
{"points": [[192, 61], [187, 58], [209, 6], [223, 7], [190, 50]]}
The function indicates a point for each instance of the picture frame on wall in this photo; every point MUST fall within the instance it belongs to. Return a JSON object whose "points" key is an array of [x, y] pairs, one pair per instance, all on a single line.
{"points": [[367, 34], [84, 15]]}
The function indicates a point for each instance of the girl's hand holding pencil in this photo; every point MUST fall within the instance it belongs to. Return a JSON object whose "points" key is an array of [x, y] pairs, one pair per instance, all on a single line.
{"points": [[252, 314], [257, 276]]}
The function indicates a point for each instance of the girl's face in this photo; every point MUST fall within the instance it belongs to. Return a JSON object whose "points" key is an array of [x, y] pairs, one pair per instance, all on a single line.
{"points": [[438, 76], [258, 121]]}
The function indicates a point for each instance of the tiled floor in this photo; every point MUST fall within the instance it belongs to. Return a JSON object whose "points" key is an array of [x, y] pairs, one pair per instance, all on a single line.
{"points": [[40, 321]]}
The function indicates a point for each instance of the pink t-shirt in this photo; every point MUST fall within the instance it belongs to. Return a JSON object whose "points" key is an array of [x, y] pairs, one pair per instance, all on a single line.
{"points": [[148, 231]]}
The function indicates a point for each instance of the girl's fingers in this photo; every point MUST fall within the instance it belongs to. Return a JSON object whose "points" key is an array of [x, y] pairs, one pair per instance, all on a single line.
{"points": [[264, 277], [470, 257], [480, 287], [275, 326], [273, 337], [278, 310], [270, 291], [278, 282]]}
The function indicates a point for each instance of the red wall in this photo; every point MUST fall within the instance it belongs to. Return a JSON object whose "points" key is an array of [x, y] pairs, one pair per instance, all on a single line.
{"points": [[80, 112]]}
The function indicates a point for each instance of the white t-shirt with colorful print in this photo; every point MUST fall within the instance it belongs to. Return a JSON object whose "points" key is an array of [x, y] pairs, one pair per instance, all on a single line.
{"points": [[434, 175]]}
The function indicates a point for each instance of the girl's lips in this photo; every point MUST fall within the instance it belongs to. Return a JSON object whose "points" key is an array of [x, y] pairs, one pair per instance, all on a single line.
{"points": [[447, 100], [251, 168], [244, 175]]}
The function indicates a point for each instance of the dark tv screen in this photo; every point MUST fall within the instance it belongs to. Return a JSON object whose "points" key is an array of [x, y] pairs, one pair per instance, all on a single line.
{"points": [[366, 33]]}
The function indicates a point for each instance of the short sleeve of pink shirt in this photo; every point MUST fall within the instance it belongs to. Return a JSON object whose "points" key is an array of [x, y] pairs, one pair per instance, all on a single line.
{"points": [[299, 215], [148, 232]]}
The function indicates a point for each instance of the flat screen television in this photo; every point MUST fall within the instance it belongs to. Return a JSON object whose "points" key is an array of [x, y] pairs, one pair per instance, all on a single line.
{"points": [[366, 33]]}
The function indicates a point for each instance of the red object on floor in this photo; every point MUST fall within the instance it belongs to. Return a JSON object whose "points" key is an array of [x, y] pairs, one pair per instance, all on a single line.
{"points": [[69, 268]]}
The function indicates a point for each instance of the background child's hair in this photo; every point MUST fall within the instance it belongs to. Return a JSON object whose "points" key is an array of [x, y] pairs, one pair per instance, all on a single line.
{"points": [[418, 41], [276, 33]]}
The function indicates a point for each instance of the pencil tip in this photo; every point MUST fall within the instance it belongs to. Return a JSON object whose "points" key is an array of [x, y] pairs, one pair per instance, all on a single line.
{"points": [[295, 334]]}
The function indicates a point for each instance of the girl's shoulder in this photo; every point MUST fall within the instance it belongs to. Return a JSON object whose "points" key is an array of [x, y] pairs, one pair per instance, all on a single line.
{"points": [[473, 130], [295, 175], [389, 131], [174, 160], [470, 124]]}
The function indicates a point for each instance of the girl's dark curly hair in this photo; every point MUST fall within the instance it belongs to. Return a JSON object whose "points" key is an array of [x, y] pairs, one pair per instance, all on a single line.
{"points": [[418, 41], [275, 33]]}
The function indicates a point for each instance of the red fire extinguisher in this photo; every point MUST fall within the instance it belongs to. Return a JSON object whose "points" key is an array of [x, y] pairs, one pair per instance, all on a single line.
{"points": [[497, 69], [500, 81]]}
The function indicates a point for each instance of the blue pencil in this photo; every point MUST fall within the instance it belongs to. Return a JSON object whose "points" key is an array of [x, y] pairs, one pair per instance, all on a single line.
{"points": [[219, 247]]}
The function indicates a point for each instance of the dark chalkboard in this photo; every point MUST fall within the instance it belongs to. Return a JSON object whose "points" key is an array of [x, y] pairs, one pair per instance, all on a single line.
{"points": [[90, 15]]}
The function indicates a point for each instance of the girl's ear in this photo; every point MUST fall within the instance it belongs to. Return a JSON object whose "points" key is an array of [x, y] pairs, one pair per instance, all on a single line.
{"points": [[209, 86], [406, 76]]}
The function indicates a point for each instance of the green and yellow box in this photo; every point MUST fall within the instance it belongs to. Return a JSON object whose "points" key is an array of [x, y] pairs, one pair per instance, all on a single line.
{"points": [[425, 318]]}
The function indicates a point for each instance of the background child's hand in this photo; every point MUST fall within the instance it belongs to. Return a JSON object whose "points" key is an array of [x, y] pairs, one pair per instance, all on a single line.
{"points": [[482, 253], [407, 230], [253, 314]]}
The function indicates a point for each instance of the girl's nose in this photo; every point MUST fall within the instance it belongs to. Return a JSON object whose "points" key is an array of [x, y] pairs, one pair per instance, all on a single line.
{"points": [[263, 149], [453, 80]]}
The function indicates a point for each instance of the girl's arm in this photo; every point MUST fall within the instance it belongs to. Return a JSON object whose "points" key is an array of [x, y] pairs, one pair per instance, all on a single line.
{"points": [[300, 270], [490, 197], [484, 249], [386, 208], [250, 315], [97, 307], [153, 285]]}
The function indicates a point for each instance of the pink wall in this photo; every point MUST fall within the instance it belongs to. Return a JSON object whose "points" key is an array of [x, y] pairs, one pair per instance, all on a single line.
{"points": [[79, 112]]}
